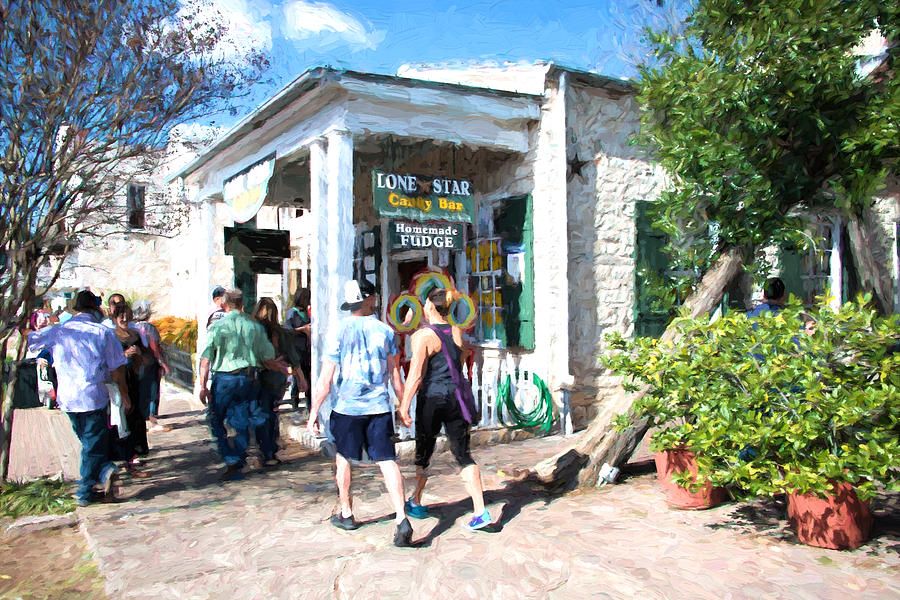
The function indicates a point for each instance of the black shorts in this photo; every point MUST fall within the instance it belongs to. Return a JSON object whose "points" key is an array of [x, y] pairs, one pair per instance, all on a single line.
{"points": [[431, 414], [374, 432]]}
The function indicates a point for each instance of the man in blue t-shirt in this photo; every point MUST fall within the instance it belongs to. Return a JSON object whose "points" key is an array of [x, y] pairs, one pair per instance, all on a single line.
{"points": [[774, 298], [364, 349]]}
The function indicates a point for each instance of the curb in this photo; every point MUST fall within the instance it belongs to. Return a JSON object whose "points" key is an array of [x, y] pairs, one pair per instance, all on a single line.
{"points": [[31, 524], [293, 426]]}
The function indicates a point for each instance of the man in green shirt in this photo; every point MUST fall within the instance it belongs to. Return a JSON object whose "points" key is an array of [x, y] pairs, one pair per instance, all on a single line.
{"points": [[236, 347]]}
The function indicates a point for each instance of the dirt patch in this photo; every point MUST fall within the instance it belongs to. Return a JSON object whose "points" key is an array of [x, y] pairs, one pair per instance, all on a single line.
{"points": [[49, 564]]}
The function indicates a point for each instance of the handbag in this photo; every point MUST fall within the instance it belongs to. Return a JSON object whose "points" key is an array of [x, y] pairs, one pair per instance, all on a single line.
{"points": [[117, 415], [464, 394]]}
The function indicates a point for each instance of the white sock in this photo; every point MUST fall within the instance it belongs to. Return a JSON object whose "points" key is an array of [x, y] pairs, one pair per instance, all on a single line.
{"points": [[399, 518], [346, 513]]}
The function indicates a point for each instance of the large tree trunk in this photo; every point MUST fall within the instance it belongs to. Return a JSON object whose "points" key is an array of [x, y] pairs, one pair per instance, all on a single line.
{"points": [[9, 390], [873, 277], [579, 465]]}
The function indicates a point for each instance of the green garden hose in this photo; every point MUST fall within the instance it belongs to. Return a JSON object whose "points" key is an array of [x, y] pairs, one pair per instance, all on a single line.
{"points": [[541, 416]]}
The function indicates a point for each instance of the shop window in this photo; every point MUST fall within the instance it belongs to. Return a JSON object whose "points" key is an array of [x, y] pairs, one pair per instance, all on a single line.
{"points": [[367, 255], [807, 273], [135, 206], [501, 271]]}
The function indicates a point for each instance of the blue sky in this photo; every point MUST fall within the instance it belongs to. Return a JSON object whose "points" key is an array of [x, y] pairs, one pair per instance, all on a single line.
{"points": [[381, 36]]}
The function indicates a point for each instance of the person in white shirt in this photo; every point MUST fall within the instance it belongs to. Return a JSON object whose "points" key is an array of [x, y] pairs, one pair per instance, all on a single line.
{"points": [[86, 354]]}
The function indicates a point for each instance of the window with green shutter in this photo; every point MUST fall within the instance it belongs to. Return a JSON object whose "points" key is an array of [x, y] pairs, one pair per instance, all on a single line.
{"points": [[501, 259]]}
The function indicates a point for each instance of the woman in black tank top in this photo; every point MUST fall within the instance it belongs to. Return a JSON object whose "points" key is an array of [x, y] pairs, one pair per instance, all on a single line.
{"points": [[437, 405]]}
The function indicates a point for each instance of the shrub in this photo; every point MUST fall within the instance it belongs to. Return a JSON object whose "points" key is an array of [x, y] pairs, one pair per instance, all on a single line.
{"points": [[770, 408]]}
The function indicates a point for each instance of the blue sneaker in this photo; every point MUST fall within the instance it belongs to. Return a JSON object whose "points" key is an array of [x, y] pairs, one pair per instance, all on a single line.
{"points": [[415, 510], [479, 522]]}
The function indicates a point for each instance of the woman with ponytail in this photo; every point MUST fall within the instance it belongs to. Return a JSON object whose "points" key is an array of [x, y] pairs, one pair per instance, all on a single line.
{"points": [[437, 404]]}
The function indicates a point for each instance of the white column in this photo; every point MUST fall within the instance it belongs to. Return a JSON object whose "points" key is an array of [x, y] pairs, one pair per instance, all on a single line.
{"points": [[340, 218], [318, 201], [203, 246], [331, 200], [551, 261]]}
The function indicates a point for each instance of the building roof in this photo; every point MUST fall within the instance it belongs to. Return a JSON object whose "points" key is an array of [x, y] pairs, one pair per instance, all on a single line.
{"points": [[320, 76]]}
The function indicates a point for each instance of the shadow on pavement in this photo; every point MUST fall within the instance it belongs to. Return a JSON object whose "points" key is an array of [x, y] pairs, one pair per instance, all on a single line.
{"points": [[769, 518], [514, 496], [196, 465], [186, 413]]}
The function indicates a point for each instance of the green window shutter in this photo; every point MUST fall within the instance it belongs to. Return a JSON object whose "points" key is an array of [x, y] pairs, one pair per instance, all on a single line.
{"points": [[513, 224], [651, 263]]}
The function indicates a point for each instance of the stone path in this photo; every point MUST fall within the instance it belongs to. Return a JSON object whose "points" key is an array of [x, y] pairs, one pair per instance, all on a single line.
{"points": [[181, 534]]}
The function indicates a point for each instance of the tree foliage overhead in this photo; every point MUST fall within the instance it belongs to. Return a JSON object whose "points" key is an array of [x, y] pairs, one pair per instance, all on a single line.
{"points": [[86, 87], [759, 113]]}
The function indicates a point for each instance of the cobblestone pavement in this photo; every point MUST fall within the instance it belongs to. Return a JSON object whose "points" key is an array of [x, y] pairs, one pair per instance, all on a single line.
{"points": [[181, 534]]}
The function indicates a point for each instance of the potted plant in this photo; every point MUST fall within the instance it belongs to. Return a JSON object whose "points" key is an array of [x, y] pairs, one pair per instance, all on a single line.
{"points": [[817, 417], [674, 394], [776, 409]]}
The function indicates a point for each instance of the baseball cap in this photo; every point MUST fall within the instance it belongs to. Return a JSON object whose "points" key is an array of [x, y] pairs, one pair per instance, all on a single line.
{"points": [[355, 292]]}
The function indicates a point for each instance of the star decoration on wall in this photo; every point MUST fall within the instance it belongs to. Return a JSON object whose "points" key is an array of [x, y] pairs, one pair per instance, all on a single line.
{"points": [[576, 166], [425, 186]]}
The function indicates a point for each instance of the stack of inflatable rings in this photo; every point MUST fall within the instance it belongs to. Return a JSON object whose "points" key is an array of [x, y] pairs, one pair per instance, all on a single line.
{"points": [[424, 282], [399, 302], [471, 312]]}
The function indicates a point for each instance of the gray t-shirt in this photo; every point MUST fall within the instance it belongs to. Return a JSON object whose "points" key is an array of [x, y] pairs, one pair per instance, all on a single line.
{"points": [[360, 347]]}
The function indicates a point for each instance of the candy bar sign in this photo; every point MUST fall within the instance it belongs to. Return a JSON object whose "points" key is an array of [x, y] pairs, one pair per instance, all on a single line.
{"points": [[401, 195]]}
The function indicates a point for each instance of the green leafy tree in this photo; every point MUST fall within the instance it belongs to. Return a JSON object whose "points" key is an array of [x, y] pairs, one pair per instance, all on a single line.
{"points": [[760, 116], [87, 88], [759, 113]]}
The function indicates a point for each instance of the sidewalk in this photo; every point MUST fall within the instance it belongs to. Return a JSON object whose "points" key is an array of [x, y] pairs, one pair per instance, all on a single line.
{"points": [[181, 534]]}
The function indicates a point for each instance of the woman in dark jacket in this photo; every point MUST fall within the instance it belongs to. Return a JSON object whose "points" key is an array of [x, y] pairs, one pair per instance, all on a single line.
{"points": [[135, 444], [437, 406], [297, 322], [273, 383]]}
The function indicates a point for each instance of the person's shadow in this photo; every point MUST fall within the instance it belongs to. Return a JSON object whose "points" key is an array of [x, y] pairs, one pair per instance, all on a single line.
{"points": [[514, 496]]}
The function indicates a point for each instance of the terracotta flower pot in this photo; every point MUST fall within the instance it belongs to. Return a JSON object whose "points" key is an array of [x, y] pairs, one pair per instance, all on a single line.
{"points": [[840, 521], [669, 462]]}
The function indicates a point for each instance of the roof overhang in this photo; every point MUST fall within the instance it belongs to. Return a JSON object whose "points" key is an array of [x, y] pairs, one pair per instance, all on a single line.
{"points": [[324, 99]]}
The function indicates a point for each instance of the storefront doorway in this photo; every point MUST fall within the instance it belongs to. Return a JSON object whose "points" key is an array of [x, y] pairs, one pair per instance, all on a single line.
{"points": [[406, 269]]}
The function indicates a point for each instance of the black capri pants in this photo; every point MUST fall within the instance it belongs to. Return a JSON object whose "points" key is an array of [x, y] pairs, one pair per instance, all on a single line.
{"points": [[431, 414]]}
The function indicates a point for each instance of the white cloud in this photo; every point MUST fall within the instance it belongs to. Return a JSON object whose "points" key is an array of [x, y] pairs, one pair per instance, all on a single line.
{"points": [[244, 24], [327, 26]]}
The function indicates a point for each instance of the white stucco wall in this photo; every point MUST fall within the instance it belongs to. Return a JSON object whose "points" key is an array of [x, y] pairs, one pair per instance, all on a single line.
{"points": [[522, 77]]}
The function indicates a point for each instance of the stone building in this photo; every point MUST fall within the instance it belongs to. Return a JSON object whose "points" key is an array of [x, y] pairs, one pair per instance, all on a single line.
{"points": [[342, 175], [136, 246], [524, 172]]}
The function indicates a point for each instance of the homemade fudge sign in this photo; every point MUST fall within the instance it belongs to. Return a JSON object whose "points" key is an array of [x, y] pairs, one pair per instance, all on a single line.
{"points": [[401, 195], [404, 235]]}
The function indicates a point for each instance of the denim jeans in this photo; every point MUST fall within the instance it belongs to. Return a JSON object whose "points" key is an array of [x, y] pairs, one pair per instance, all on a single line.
{"points": [[266, 420], [230, 400], [148, 392], [91, 430]]}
